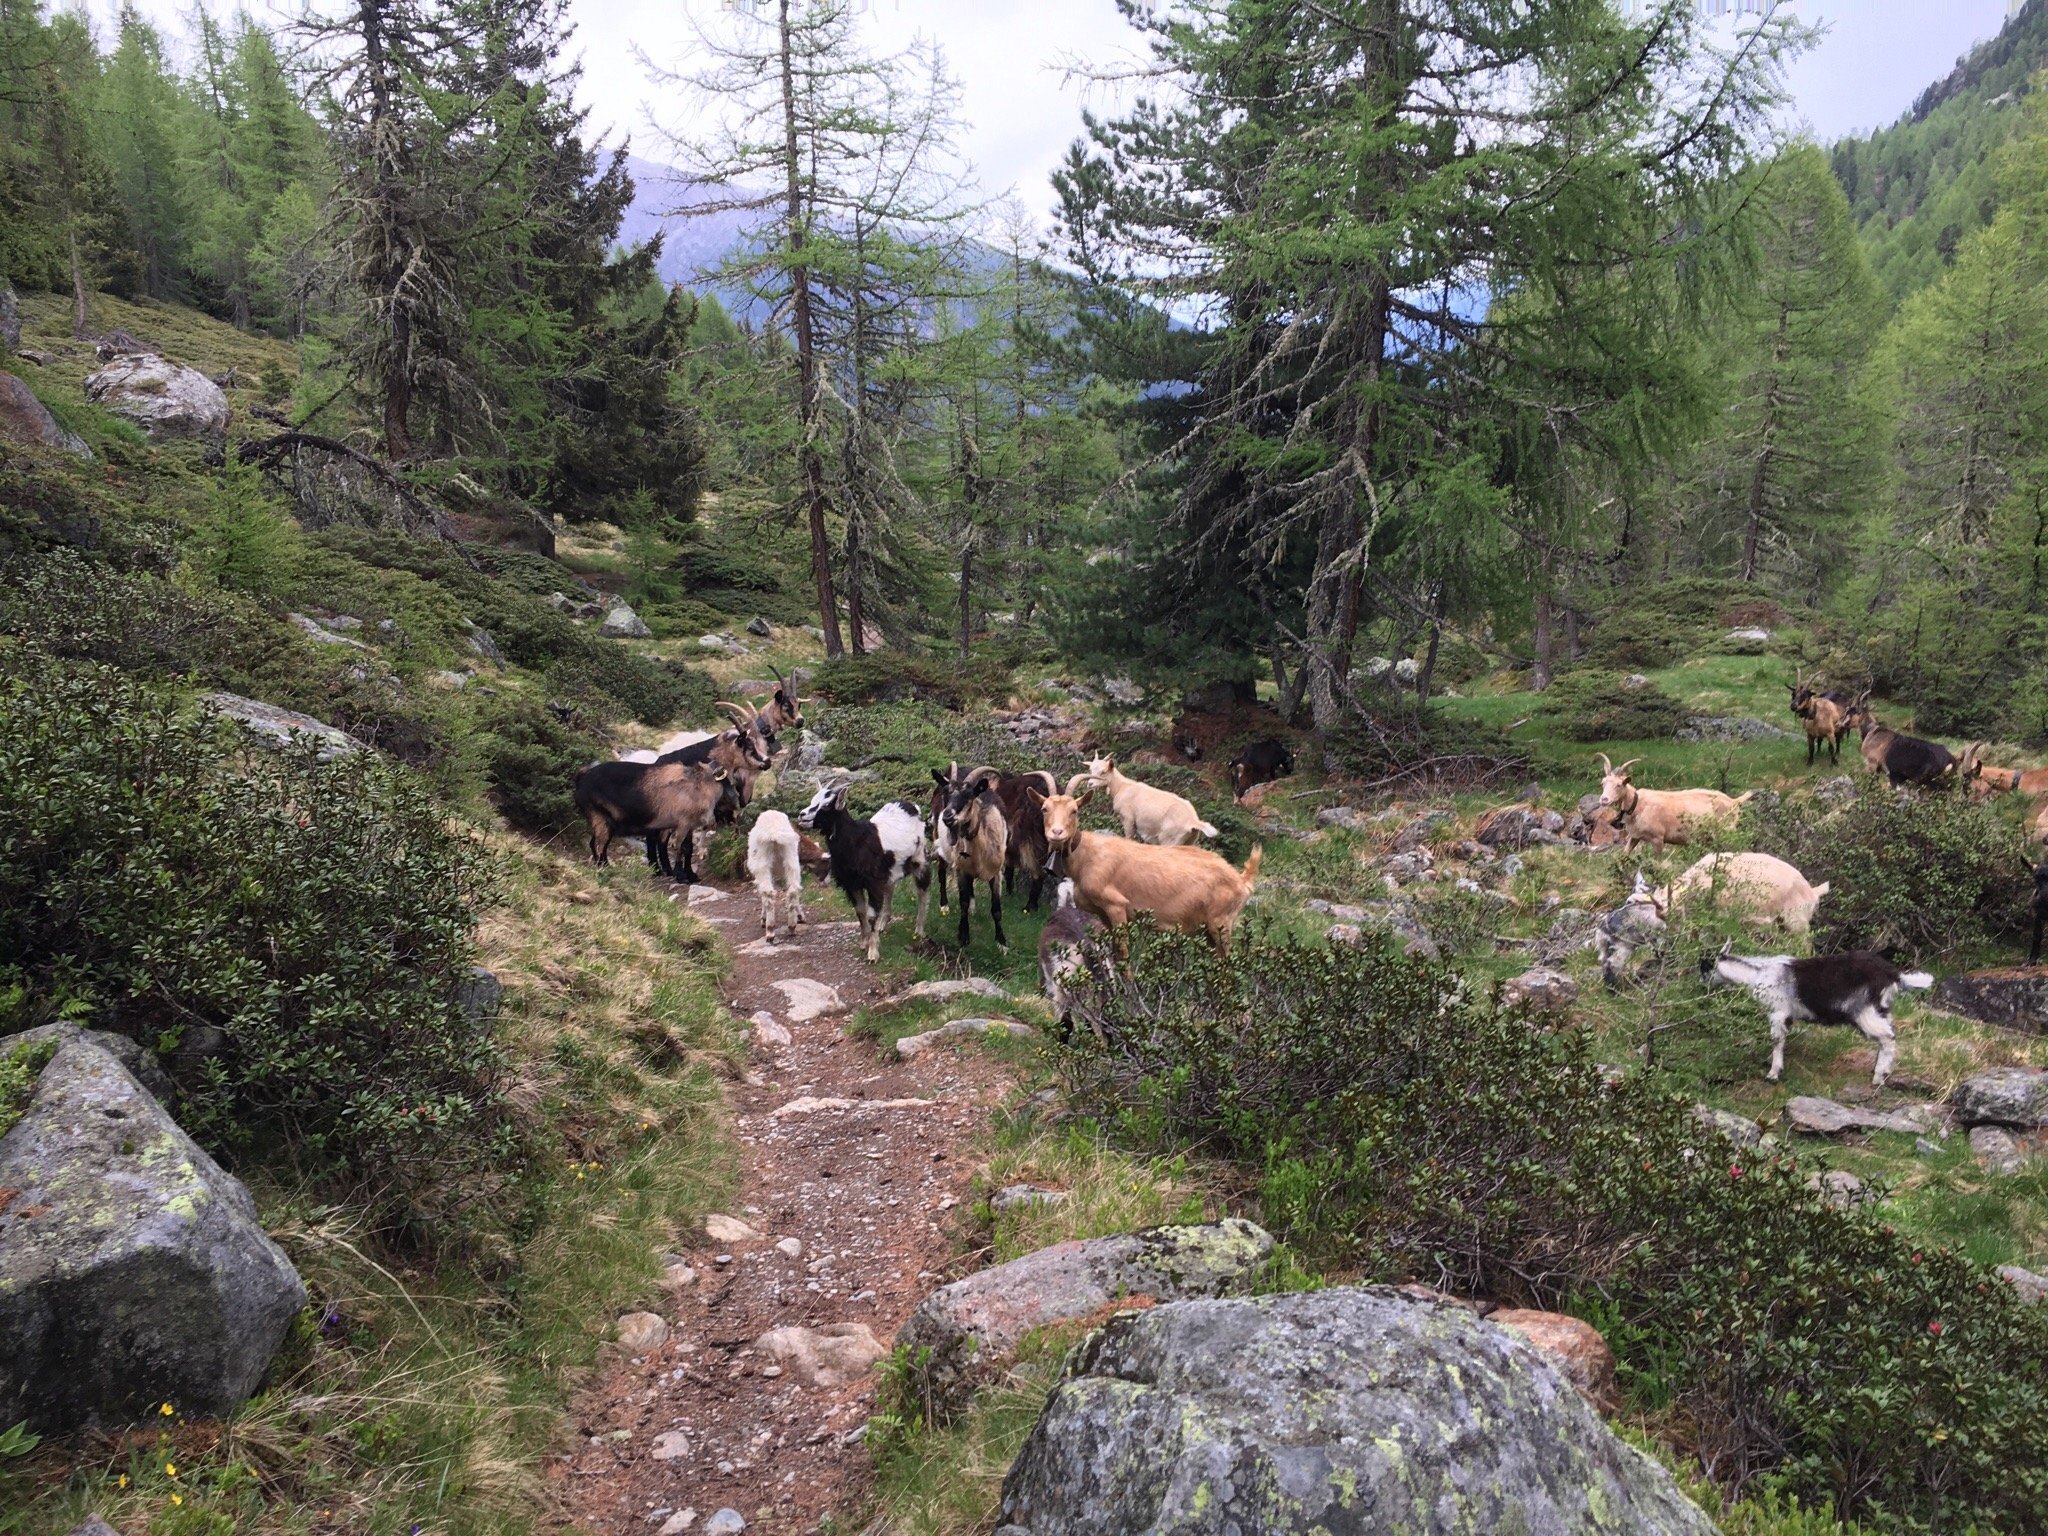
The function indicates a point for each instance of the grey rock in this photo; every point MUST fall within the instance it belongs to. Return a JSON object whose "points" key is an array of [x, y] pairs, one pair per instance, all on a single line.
{"points": [[954, 1029], [1510, 866], [973, 1326], [1841, 1189], [717, 642], [483, 645], [1346, 1411], [760, 627], [1121, 690], [1011, 1196], [1540, 989], [1824, 1117], [314, 630], [1418, 831], [1406, 671], [2032, 1288], [1635, 681], [342, 622], [1407, 868], [725, 1522], [452, 679], [642, 1333], [2010, 996], [479, 994], [93, 1525], [26, 420], [133, 1270], [1997, 1149], [164, 398], [280, 727], [965, 986], [1748, 634], [1838, 790], [2015, 1096], [1729, 728], [140, 1061], [1740, 1129], [1345, 816], [622, 623], [1922, 1147], [10, 317]]}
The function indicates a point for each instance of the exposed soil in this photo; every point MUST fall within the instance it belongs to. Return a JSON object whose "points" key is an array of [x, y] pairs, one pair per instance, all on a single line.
{"points": [[875, 1194]]}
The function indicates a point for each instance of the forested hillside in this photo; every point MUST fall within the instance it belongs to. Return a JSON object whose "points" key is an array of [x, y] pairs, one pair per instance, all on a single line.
{"points": [[1339, 480]]}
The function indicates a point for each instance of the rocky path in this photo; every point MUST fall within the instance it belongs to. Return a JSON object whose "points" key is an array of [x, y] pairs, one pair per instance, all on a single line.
{"points": [[856, 1177]]}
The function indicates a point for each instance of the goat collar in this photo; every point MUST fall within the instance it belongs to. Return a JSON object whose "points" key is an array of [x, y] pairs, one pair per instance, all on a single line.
{"points": [[1624, 809]]}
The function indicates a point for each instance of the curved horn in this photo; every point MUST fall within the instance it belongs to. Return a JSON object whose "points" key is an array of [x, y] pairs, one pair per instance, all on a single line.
{"points": [[739, 715], [1075, 784], [1624, 768], [1605, 765], [780, 680]]}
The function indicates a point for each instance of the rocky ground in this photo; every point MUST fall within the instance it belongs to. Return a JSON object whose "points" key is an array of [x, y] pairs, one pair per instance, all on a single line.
{"points": [[747, 1393]]}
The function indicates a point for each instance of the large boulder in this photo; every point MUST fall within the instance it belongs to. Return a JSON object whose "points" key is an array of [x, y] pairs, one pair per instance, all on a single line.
{"points": [[2015, 1096], [1824, 1117], [1346, 1412], [2012, 996], [622, 623], [279, 727], [133, 1271], [973, 1326], [26, 420], [164, 398]]}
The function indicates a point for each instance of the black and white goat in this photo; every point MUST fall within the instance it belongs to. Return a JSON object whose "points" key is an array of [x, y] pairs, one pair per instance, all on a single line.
{"points": [[1072, 947], [870, 858], [1635, 924], [1854, 988]]}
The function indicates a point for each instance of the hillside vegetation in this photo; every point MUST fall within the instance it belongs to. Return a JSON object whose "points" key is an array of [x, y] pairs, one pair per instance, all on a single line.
{"points": [[1590, 421]]}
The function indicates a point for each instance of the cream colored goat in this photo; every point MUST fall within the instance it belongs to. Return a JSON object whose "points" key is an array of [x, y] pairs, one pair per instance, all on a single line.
{"points": [[1188, 889], [1773, 890], [1662, 816], [1149, 815], [772, 860]]}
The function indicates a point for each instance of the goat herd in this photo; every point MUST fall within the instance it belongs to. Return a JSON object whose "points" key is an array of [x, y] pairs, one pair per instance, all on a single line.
{"points": [[993, 828]]}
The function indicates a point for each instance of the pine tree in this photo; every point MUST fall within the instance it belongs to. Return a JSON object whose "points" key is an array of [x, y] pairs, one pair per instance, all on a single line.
{"points": [[142, 127]]}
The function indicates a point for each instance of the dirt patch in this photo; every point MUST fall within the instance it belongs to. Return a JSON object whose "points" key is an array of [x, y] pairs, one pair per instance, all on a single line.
{"points": [[872, 1192]]}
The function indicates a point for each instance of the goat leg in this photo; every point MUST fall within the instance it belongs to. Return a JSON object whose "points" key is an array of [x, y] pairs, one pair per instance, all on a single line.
{"points": [[2040, 922], [1781, 1026], [967, 905], [995, 911]]}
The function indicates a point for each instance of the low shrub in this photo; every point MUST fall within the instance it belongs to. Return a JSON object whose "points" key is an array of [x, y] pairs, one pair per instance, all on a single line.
{"points": [[290, 934], [19, 1070], [896, 676], [1398, 1128], [1600, 706], [1429, 748], [528, 755], [608, 679], [1936, 876]]}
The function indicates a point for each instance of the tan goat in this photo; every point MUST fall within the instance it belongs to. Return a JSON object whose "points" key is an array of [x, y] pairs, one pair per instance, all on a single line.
{"points": [[1773, 890], [1188, 889], [1149, 815], [1662, 817]]}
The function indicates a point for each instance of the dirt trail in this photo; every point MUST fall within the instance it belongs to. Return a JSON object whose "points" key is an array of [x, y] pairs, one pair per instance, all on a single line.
{"points": [[872, 1193]]}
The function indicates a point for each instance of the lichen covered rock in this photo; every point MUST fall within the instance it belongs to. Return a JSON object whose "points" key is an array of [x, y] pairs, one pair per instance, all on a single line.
{"points": [[2014, 1096], [133, 1271], [973, 1326], [1342, 1412], [164, 398]]}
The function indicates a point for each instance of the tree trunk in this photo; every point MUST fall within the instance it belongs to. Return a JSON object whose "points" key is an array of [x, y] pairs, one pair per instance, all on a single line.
{"points": [[1767, 433], [1541, 678], [1571, 634], [810, 404], [78, 330], [398, 387], [967, 594], [1436, 636]]}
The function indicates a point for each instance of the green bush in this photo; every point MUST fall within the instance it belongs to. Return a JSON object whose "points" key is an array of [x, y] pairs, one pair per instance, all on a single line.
{"points": [[1598, 706], [529, 755], [1934, 875], [895, 677], [291, 934], [1397, 1127], [606, 677], [1661, 625]]}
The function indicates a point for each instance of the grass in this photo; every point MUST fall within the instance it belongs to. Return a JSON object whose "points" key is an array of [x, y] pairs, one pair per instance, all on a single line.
{"points": [[411, 1399]]}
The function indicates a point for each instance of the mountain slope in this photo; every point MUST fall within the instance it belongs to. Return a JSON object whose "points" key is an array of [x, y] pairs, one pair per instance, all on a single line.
{"points": [[1917, 187]]}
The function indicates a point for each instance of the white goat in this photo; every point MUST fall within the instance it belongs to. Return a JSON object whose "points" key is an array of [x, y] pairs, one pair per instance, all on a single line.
{"points": [[1773, 890], [1149, 815], [772, 861]]}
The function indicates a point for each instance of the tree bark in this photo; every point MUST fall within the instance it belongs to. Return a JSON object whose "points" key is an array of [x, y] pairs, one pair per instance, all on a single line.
{"points": [[1541, 678], [810, 403], [1760, 473], [78, 329]]}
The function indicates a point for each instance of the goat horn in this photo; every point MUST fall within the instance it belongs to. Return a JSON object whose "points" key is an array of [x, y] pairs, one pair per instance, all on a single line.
{"points": [[1624, 768], [739, 715], [779, 678], [1605, 765], [1076, 782]]}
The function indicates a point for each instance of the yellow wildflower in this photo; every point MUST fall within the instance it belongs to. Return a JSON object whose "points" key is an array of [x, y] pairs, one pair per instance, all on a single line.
{"points": [[165, 1410], [170, 1469], [177, 1498]]}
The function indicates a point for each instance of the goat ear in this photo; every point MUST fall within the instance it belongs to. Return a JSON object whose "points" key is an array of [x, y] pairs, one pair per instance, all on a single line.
{"points": [[1034, 794], [1084, 797], [938, 776]]}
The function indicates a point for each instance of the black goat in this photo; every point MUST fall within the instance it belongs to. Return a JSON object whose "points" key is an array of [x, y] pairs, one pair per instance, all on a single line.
{"points": [[870, 857], [1906, 759], [1854, 988], [1260, 763], [666, 803]]}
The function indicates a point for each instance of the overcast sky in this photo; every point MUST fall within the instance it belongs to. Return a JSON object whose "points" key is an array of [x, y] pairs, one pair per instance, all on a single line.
{"points": [[1007, 54]]}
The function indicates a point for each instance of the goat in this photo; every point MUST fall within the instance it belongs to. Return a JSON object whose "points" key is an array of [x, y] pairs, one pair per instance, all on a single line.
{"points": [[1188, 889], [978, 841], [1149, 815], [2040, 874], [1661, 816], [870, 858], [1629, 927], [1773, 889], [1987, 780], [772, 859], [783, 711], [1064, 955], [1825, 716], [744, 752], [669, 802], [2039, 825], [1260, 763], [1028, 854], [1854, 988], [1902, 759]]}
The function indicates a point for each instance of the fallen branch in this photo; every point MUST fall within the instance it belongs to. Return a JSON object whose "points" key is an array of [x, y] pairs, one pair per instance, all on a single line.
{"points": [[270, 450]]}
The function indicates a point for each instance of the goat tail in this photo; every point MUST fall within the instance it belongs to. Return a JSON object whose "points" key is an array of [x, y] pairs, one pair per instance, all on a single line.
{"points": [[1251, 867], [1205, 829], [1745, 797], [1919, 981]]}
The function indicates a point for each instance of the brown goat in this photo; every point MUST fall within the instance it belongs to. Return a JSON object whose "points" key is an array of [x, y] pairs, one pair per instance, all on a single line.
{"points": [[1186, 888], [978, 845], [666, 801], [1825, 716], [1661, 816]]}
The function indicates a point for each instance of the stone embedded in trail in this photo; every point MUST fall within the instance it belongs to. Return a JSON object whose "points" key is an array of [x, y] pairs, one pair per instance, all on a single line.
{"points": [[790, 1247], [1350, 1412], [973, 1326], [810, 1105], [767, 1033], [1740, 1129], [2011, 996], [917, 1045], [677, 1523], [1542, 990], [945, 991], [1824, 1117], [2014, 1096], [721, 1228], [808, 999], [642, 1333], [1574, 1346], [133, 1270], [829, 1356], [672, 1446], [1997, 1149], [726, 1522]]}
